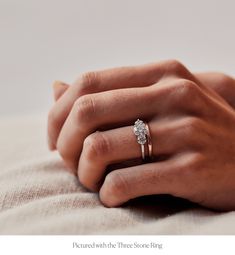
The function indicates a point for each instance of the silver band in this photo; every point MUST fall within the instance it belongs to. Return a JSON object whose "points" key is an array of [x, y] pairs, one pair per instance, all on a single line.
{"points": [[142, 151], [149, 141]]}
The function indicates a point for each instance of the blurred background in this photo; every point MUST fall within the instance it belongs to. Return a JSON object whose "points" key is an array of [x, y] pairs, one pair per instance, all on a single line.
{"points": [[42, 41]]}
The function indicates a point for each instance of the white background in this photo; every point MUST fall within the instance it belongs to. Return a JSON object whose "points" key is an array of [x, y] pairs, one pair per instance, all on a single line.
{"points": [[41, 41], [60, 245]]}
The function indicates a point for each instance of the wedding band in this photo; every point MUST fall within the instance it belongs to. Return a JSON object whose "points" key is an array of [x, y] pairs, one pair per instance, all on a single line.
{"points": [[141, 133], [149, 141]]}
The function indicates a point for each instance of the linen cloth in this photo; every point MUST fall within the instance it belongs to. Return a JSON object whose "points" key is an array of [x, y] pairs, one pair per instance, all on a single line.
{"points": [[38, 195]]}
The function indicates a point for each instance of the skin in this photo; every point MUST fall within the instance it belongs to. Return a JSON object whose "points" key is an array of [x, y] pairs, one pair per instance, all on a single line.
{"points": [[192, 125]]}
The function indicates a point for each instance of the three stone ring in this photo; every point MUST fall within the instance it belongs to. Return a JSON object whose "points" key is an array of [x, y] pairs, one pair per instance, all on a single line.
{"points": [[142, 132]]}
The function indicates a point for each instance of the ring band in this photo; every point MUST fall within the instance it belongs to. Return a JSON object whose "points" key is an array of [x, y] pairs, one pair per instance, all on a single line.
{"points": [[143, 151], [149, 141]]}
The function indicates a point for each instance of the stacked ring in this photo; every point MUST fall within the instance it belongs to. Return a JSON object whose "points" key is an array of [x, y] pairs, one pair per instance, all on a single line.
{"points": [[142, 132]]}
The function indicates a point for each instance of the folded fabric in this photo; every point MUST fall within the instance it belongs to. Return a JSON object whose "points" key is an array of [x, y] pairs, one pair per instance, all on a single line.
{"points": [[38, 195]]}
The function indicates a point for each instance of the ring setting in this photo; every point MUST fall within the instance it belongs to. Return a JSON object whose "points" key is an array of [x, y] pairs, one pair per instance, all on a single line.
{"points": [[142, 132]]}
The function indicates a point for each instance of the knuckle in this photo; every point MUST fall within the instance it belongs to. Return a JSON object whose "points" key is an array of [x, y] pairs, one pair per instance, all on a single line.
{"points": [[174, 63], [176, 67], [84, 108], [96, 145], [116, 184], [186, 88], [225, 86], [193, 128], [224, 79], [192, 123], [88, 82], [115, 189], [188, 96]]}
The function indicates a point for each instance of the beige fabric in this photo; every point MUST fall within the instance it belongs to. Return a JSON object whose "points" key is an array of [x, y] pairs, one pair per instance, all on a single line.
{"points": [[39, 196]]}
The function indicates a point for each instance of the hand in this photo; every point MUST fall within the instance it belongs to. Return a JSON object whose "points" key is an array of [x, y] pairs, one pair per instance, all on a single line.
{"points": [[191, 125]]}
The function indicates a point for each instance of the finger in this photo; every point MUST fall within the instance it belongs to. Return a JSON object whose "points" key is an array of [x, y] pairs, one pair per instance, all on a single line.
{"points": [[102, 149], [109, 109], [154, 178], [111, 79], [173, 176], [59, 89]]}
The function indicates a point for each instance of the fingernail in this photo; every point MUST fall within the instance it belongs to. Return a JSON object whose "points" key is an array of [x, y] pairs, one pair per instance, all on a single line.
{"points": [[59, 88], [58, 84]]}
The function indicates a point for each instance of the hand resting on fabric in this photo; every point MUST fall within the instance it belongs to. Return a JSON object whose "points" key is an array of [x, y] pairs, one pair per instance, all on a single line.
{"points": [[191, 119]]}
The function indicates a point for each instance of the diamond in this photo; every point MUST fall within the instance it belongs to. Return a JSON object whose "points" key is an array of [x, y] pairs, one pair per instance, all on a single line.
{"points": [[141, 139], [140, 131], [139, 128], [136, 131]]}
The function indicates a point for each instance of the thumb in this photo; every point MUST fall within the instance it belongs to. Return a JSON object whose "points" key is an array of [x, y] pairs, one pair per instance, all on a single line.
{"points": [[59, 88]]}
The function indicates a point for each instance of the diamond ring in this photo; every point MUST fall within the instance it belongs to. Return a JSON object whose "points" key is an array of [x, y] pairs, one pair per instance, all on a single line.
{"points": [[141, 132]]}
